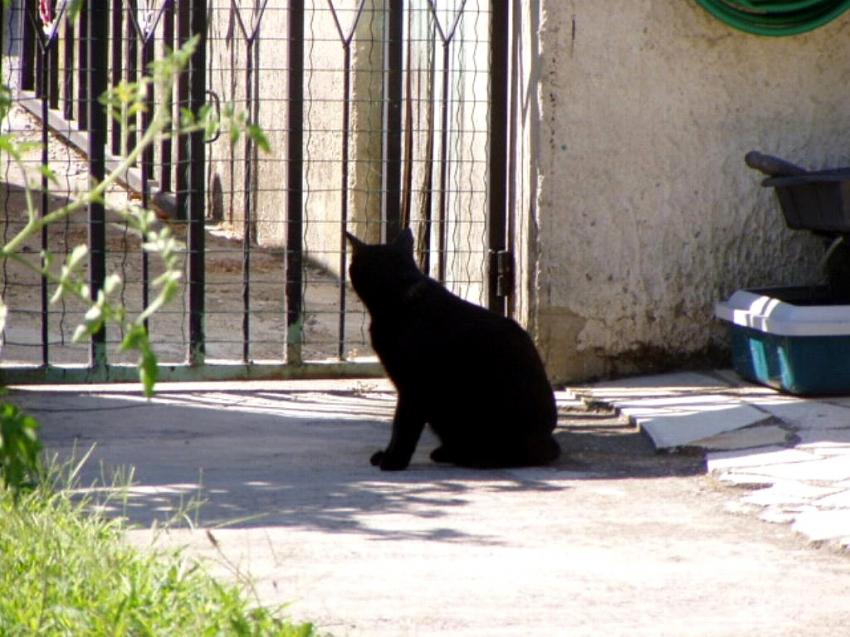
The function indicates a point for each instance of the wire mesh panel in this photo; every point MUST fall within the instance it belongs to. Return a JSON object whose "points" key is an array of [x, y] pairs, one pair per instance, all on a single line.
{"points": [[376, 114]]}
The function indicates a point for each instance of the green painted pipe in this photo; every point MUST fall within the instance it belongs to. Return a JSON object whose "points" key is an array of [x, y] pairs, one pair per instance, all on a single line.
{"points": [[773, 17]]}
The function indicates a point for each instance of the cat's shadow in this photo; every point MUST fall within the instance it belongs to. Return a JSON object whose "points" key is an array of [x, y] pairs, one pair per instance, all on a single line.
{"points": [[300, 460]]}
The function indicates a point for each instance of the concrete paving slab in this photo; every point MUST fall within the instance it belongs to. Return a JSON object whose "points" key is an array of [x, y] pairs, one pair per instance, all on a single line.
{"points": [[748, 438], [678, 409], [755, 458], [825, 469], [825, 442], [612, 539], [788, 492], [820, 525], [840, 500], [803, 413]]}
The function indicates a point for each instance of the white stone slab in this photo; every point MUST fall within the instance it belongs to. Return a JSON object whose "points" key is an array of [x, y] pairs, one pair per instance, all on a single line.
{"points": [[825, 442], [788, 492], [744, 438], [840, 500], [755, 458], [678, 409], [746, 479], [831, 469], [805, 413], [823, 525]]}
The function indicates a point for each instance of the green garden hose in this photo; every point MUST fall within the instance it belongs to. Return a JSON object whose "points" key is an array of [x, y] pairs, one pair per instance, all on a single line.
{"points": [[775, 17]]}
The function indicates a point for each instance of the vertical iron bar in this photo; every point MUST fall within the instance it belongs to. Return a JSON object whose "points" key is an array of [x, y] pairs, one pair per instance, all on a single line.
{"points": [[196, 174], [147, 166], [83, 67], [53, 70], [444, 153], [68, 56], [117, 65], [497, 196], [165, 148], [40, 63], [28, 48], [392, 128], [184, 15], [294, 182], [131, 66], [42, 89], [247, 222], [346, 124], [429, 166], [96, 76]]}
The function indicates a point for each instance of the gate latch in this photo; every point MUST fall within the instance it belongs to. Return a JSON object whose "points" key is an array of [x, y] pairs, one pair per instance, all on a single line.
{"points": [[503, 260]]}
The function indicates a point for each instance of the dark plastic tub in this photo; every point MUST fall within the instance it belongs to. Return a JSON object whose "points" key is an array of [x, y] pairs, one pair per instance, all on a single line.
{"points": [[817, 201]]}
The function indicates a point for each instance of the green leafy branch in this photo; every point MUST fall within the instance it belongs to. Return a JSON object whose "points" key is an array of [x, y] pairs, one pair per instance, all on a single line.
{"points": [[124, 101]]}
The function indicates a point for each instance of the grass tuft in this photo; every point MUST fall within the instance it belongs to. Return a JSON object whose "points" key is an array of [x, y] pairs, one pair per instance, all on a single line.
{"points": [[67, 571]]}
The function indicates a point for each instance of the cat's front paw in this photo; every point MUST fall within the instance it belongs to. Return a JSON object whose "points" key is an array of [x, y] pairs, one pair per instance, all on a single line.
{"points": [[386, 462]]}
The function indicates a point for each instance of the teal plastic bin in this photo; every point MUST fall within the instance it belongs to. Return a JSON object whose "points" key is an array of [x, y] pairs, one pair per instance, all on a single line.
{"points": [[790, 338]]}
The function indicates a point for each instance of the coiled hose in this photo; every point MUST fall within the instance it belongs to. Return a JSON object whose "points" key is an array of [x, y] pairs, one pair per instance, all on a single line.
{"points": [[775, 17]]}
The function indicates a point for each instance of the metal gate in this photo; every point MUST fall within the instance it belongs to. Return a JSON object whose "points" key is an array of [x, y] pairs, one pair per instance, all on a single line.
{"points": [[381, 115]]}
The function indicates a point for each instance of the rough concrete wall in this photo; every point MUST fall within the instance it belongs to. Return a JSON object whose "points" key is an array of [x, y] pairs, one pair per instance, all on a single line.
{"points": [[647, 213]]}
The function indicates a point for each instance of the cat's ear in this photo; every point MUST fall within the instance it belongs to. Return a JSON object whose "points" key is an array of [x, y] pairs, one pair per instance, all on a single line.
{"points": [[356, 244], [404, 241]]}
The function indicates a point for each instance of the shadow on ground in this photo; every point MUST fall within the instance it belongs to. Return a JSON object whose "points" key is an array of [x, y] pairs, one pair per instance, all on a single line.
{"points": [[299, 459]]}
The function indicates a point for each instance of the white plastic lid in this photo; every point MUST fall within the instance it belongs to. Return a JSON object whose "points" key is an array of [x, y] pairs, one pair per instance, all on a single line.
{"points": [[762, 312]]}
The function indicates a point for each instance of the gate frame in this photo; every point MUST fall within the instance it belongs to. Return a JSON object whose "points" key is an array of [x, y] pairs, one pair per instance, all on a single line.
{"points": [[190, 197]]}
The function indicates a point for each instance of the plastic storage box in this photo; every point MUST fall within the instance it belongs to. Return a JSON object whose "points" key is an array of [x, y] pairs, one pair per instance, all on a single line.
{"points": [[790, 338]]}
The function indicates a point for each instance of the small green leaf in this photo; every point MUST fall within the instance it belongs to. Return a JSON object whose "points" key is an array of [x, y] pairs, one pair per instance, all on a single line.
{"points": [[78, 254], [50, 174], [80, 334], [256, 133], [111, 284], [94, 314], [148, 371], [4, 313]]}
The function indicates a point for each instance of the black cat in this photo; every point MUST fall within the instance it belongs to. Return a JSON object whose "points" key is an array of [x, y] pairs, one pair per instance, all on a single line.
{"points": [[471, 374]]}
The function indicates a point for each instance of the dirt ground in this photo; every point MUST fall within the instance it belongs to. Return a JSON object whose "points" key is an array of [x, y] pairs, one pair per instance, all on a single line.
{"points": [[21, 289], [612, 540]]}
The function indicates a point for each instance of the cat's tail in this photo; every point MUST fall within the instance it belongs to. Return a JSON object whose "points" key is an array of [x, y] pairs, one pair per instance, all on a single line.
{"points": [[541, 450], [527, 452]]}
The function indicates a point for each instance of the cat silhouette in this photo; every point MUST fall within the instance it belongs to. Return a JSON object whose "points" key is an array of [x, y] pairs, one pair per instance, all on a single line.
{"points": [[472, 375]]}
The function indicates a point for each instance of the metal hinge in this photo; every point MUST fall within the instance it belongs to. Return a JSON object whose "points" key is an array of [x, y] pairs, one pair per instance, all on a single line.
{"points": [[504, 268]]}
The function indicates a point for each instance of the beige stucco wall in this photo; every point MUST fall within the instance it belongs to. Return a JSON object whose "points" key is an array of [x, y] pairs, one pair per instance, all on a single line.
{"points": [[323, 115], [644, 214]]}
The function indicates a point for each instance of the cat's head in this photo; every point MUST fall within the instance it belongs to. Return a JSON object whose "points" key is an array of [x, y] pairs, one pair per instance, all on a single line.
{"points": [[381, 272]]}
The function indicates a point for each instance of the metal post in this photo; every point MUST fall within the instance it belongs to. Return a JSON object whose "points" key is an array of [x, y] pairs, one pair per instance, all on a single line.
{"points": [[497, 196], [196, 174], [83, 68], [43, 81], [165, 146], [117, 65], [184, 32], [295, 174], [68, 80], [131, 64], [248, 221], [53, 70], [147, 162], [392, 127], [97, 19], [28, 47]]}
